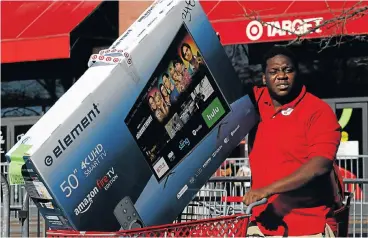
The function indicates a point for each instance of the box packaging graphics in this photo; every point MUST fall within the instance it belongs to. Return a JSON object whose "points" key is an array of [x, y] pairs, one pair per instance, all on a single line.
{"points": [[136, 137]]}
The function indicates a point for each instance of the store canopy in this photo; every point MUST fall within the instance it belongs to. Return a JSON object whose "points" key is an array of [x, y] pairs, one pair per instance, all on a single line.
{"points": [[40, 30], [241, 22]]}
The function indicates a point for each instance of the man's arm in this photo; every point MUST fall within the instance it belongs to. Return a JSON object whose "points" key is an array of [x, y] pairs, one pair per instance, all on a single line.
{"points": [[314, 168]]}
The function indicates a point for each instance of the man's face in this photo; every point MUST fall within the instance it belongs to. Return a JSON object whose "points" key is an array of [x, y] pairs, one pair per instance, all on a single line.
{"points": [[188, 55], [172, 71], [152, 104], [280, 75], [158, 100], [178, 67], [177, 77], [179, 86], [167, 82]]}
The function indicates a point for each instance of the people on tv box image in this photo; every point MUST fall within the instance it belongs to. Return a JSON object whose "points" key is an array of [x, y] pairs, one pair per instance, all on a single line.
{"points": [[177, 95], [176, 79], [158, 104]]}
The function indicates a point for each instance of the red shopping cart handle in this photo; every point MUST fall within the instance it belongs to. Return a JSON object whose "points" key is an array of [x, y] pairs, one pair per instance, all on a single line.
{"points": [[240, 199], [232, 199]]}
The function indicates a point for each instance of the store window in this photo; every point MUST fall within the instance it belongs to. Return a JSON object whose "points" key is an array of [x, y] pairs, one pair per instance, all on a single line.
{"points": [[29, 97]]}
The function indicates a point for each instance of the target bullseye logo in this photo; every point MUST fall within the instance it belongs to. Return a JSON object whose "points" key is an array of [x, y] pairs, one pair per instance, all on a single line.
{"points": [[254, 30]]}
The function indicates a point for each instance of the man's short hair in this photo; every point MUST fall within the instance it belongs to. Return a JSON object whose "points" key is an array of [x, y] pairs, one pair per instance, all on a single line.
{"points": [[280, 50], [165, 75], [177, 60]]}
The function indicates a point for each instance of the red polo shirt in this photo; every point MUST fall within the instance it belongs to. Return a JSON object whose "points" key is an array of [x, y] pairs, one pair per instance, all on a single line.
{"points": [[285, 140]]}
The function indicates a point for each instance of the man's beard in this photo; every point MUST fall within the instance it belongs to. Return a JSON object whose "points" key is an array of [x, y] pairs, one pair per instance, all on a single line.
{"points": [[294, 92]]}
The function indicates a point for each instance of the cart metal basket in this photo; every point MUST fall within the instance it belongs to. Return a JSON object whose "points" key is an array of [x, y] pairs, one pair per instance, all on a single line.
{"points": [[225, 226]]}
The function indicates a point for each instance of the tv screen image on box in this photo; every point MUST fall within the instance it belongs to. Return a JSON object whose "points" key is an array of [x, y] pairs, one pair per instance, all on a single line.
{"points": [[178, 107]]}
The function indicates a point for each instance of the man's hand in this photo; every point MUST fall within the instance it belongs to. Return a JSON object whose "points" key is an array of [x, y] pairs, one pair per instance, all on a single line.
{"points": [[255, 195]]}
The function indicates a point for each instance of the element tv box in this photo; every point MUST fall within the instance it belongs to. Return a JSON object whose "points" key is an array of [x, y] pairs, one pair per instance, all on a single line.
{"points": [[131, 143]]}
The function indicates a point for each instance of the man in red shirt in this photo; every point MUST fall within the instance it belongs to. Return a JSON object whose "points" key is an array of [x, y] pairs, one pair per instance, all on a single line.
{"points": [[292, 154]]}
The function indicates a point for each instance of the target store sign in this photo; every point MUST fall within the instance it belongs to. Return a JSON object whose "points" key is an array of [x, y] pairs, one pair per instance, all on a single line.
{"points": [[257, 30]]}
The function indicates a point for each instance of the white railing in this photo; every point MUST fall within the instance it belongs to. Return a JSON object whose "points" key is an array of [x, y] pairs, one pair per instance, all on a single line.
{"points": [[17, 192], [211, 199]]}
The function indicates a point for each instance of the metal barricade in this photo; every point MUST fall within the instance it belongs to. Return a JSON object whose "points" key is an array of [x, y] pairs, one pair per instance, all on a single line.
{"points": [[5, 211], [216, 197], [353, 166], [358, 221], [25, 219], [356, 182], [17, 192]]}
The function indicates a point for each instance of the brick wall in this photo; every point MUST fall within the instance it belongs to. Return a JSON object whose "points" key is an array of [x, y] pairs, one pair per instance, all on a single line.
{"points": [[129, 11]]}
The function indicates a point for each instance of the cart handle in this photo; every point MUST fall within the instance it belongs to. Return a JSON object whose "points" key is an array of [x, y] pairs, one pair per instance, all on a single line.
{"points": [[248, 211]]}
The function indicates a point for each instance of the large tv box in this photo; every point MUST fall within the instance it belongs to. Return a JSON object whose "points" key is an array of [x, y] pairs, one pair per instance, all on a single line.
{"points": [[135, 138]]}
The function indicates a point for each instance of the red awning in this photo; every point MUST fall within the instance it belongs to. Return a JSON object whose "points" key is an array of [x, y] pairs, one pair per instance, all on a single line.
{"points": [[240, 22], [40, 30]]}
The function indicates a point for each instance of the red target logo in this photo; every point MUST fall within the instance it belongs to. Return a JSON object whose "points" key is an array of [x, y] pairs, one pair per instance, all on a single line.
{"points": [[116, 60], [94, 57], [126, 54], [108, 59], [101, 57], [254, 30]]}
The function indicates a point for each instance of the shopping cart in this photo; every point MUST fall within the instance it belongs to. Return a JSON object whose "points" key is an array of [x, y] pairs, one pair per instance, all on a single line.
{"points": [[226, 226]]}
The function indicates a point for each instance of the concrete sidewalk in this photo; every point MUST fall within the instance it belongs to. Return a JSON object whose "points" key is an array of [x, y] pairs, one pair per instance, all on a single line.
{"points": [[16, 227]]}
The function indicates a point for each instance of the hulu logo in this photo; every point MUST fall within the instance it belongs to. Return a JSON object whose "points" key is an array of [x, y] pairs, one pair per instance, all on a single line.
{"points": [[213, 112]]}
